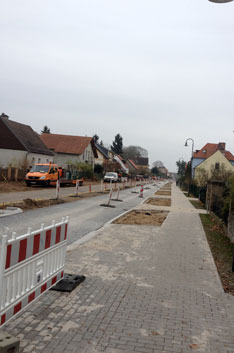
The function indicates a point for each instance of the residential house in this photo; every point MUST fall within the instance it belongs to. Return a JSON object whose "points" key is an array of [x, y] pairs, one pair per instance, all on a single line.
{"points": [[102, 154], [142, 164], [163, 171], [133, 169], [20, 146], [111, 154], [142, 161], [121, 163], [212, 156], [70, 149]]}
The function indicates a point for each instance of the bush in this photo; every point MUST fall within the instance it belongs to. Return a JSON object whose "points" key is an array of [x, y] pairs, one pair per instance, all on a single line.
{"points": [[98, 169]]}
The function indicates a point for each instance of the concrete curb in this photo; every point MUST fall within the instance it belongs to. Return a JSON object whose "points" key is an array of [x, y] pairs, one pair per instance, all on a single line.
{"points": [[87, 237], [10, 211]]}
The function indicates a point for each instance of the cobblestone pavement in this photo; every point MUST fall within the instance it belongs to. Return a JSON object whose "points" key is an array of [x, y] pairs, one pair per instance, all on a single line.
{"points": [[148, 289]]}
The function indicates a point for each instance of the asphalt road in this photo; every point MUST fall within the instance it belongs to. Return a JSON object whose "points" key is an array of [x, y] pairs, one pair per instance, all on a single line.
{"points": [[85, 215], [36, 192]]}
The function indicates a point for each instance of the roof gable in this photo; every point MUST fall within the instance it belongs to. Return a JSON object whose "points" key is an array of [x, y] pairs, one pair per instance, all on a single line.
{"points": [[17, 136], [210, 148], [217, 156]]}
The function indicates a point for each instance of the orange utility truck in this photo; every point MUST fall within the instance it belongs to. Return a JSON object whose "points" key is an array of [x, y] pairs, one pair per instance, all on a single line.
{"points": [[46, 174]]}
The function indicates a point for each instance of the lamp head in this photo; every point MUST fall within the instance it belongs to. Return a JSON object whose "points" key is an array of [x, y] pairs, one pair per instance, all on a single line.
{"points": [[186, 144], [220, 1]]}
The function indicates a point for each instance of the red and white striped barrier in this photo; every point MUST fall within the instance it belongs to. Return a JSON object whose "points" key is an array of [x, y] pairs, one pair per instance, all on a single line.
{"points": [[141, 191], [30, 265]]}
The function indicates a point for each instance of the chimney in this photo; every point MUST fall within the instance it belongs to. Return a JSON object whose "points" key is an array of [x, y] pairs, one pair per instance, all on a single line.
{"points": [[221, 146], [4, 116]]}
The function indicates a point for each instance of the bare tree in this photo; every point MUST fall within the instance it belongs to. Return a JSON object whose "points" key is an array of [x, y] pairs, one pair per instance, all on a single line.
{"points": [[134, 152], [158, 164]]}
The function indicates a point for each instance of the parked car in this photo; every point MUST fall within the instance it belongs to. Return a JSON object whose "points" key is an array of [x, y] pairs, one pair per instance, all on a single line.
{"points": [[111, 176], [139, 178]]}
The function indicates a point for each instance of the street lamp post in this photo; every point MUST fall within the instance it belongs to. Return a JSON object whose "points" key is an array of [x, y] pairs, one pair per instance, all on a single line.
{"points": [[186, 144], [190, 174]]}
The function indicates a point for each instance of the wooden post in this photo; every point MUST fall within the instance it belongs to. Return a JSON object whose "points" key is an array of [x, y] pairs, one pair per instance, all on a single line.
{"points": [[16, 174], [9, 173]]}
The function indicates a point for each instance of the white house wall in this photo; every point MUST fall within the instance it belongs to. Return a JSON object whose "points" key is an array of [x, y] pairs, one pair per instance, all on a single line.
{"points": [[33, 158], [88, 156], [21, 159], [63, 159], [13, 158]]}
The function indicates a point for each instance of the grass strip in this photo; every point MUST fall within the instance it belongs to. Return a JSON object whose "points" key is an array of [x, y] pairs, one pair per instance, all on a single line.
{"points": [[221, 249], [197, 204]]}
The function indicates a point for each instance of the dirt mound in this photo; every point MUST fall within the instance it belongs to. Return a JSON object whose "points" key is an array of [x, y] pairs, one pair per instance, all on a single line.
{"points": [[163, 193], [143, 218], [159, 202]]}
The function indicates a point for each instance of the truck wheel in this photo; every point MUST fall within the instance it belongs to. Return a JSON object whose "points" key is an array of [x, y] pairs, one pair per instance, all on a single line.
{"points": [[28, 183]]}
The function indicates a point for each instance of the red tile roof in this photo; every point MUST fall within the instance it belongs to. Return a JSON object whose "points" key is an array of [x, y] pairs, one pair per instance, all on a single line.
{"points": [[133, 164], [210, 148], [66, 143]]}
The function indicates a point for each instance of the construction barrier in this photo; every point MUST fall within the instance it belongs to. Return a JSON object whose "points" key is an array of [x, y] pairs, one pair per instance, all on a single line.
{"points": [[30, 265], [117, 197], [110, 196], [57, 189], [77, 188], [108, 202], [141, 191]]}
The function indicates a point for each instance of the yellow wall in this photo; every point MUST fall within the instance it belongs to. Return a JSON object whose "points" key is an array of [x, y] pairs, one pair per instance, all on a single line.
{"points": [[217, 157]]}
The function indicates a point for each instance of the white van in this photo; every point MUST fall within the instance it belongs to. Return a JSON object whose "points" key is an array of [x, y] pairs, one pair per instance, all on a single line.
{"points": [[111, 176]]}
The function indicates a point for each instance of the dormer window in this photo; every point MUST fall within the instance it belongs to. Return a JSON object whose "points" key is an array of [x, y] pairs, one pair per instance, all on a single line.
{"points": [[204, 151]]}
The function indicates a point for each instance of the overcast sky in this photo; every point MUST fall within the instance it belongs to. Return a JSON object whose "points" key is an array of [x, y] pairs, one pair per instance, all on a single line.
{"points": [[155, 71]]}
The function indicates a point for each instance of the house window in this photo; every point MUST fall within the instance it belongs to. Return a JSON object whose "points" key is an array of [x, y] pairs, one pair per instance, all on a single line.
{"points": [[217, 166], [39, 159]]}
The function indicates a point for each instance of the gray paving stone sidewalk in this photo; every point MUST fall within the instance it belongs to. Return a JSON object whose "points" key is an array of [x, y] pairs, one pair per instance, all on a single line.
{"points": [[148, 289]]}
